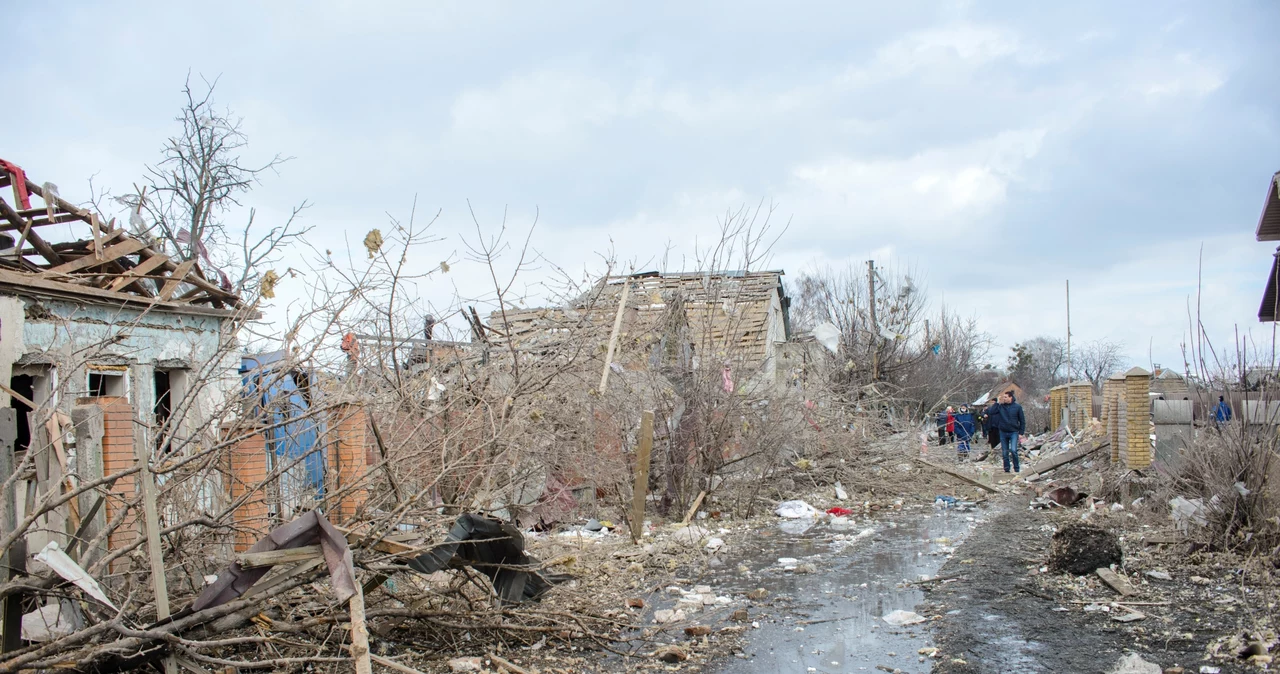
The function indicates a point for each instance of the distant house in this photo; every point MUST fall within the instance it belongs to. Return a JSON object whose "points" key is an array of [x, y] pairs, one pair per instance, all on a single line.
{"points": [[1003, 387], [1269, 230], [700, 318]]}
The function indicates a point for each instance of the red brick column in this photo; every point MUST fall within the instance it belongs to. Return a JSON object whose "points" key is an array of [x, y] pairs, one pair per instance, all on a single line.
{"points": [[248, 470], [117, 455], [349, 460]]}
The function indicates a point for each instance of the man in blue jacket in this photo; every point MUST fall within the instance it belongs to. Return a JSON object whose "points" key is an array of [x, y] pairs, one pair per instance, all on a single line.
{"points": [[1011, 423], [1221, 413]]}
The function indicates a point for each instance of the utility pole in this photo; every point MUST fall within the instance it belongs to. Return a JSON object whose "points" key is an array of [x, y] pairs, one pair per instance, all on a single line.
{"points": [[875, 323], [1069, 368]]}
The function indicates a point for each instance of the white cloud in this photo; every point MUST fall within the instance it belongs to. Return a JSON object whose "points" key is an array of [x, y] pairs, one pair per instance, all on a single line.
{"points": [[1184, 75], [953, 185]]}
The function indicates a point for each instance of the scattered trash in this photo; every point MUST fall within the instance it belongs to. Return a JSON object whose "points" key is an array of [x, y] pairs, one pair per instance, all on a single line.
{"points": [[67, 568], [1159, 575], [1065, 496], [1134, 664], [1210, 669], [900, 618], [828, 335], [944, 501], [690, 535], [839, 512], [52, 621], [841, 494], [666, 615], [472, 664], [635, 602], [715, 544], [796, 510], [1129, 617], [1188, 512], [1115, 582]]}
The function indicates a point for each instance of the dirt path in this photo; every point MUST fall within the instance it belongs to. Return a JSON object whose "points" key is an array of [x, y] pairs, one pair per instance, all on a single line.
{"points": [[997, 617]]}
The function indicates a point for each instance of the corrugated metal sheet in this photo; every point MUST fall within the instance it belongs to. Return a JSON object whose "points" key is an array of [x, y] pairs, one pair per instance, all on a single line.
{"points": [[1269, 221]]}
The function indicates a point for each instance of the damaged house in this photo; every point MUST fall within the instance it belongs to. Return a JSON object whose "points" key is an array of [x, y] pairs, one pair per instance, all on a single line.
{"points": [[108, 332]]}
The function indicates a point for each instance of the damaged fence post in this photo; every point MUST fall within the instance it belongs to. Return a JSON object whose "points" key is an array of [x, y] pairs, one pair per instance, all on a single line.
{"points": [[147, 485], [359, 633], [641, 491], [613, 336]]}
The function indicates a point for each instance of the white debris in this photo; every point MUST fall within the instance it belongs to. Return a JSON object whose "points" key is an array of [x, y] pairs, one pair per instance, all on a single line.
{"points": [[1159, 575], [900, 618], [828, 335], [690, 535], [841, 494], [795, 510], [67, 568], [1134, 664], [1188, 512], [715, 544], [472, 664]]}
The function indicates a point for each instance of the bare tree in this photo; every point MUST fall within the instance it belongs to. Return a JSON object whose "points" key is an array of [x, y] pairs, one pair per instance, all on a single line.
{"points": [[189, 195], [1099, 359], [1037, 363]]}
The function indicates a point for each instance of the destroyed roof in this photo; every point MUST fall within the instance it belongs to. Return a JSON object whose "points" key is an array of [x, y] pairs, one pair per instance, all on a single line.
{"points": [[729, 311], [1269, 221], [108, 267]]}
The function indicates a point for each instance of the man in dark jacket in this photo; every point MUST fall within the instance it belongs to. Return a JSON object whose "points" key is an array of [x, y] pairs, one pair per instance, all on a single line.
{"points": [[990, 425], [1011, 423]]}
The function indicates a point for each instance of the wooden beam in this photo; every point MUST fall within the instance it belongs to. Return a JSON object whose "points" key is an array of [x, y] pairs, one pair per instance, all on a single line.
{"points": [[960, 476], [254, 560], [1116, 583], [359, 634], [142, 269], [152, 521], [641, 491], [115, 252], [613, 337], [21, 223], [177, 276], [1065, 458]]}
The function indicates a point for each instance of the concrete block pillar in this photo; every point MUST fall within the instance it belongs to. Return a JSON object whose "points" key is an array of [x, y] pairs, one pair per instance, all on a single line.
{"points": [[245, 479], [349, 461], [1112, 390], [1136, 452], [1079, 404], [1057, 401]]}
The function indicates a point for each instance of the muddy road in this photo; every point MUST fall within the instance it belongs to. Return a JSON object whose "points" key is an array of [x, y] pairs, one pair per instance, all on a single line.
{"points": [[825, 615]]}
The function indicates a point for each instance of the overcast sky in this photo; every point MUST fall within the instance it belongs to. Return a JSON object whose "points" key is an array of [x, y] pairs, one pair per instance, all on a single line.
{"points": [[997, 149]]}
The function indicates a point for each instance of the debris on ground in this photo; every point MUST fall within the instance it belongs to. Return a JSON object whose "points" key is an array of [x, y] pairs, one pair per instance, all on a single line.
{"points": [[1080, 548]]}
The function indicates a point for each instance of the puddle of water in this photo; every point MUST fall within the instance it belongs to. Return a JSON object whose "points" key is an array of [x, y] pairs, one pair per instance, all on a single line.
{"points": [[856, 584]]}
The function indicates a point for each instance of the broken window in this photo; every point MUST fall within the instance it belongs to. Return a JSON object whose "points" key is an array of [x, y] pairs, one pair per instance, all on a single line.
{"points": [[23, 385], [170, 388], [104, 381]]}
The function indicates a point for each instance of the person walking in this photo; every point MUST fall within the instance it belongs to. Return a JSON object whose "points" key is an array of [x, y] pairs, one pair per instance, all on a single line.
{"points": [[990, 425], [965, 431], [1221, 413], [1012, 424], [941, 418], [951, 424]]}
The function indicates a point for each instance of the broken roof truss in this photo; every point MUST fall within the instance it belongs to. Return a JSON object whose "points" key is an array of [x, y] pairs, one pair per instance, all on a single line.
{"points": [[112, 265]]}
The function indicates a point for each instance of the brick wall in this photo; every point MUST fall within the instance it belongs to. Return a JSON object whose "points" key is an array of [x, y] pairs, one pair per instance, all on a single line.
{"points": [[1136, 453], [248, 469], [1112, 390], [348, 460], [1057, 401], [118, 454], [1079, 404]]}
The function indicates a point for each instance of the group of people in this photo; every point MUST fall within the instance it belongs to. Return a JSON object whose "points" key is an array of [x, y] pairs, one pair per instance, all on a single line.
{"points": [[1002, 422]]}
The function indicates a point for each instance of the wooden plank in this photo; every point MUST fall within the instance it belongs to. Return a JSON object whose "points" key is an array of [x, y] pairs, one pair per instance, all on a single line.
{"points": [[959, 476], [142, 269], [359, 634], [29, 234], [175, 278], [148, 487], [253, 560], [693, 509], [641, 490], [613, 337], [28, 281], [115, 252], [393, 665], [1063, 459], [1116, 583]]}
